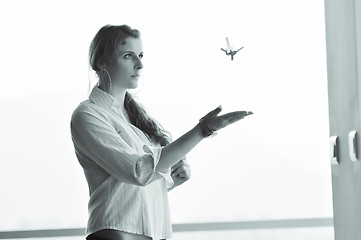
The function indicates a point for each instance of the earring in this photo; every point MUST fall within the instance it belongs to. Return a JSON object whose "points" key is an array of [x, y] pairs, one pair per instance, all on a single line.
{"points": [[107, 89]]}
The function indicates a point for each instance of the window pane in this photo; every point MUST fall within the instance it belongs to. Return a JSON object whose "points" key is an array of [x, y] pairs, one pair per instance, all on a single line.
{"points": [[272, 165], [269, 234], [325, 233]]}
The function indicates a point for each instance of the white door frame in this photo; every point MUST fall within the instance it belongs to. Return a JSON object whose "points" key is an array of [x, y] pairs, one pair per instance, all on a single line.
{"points": [[343, 34]]}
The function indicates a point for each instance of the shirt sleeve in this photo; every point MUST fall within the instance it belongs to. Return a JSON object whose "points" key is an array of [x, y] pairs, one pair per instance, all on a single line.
{"points": [[167, 175], [93, 135]]}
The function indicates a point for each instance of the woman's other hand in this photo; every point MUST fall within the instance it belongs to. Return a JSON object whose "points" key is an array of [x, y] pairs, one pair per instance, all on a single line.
{"points": [[180, 173]]}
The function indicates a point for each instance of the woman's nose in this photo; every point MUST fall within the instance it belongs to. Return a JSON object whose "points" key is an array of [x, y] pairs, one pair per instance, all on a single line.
{"points": [[138, 64]]}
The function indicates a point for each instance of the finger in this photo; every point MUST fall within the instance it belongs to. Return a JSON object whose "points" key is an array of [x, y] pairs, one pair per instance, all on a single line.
{"points": [[229, 118], [177, 170], [185, 175], [239, 115], [235, 116], [179, 164], [212, 113], [181, 170]]}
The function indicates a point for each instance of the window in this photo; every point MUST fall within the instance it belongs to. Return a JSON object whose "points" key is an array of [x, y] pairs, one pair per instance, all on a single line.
{"points": [[272, 165]]}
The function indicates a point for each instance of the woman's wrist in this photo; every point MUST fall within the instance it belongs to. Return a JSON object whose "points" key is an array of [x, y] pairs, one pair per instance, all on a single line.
{"points": [[206, 131]]}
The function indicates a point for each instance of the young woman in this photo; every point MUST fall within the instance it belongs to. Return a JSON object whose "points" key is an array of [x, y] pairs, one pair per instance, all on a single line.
{"points": [[129, 160]]}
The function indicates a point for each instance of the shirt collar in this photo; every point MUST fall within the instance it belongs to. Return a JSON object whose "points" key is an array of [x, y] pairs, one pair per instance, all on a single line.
{"points": [[104, 100]]}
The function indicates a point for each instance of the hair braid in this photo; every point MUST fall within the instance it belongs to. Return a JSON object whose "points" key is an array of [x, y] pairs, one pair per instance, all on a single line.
{"points": [[139, 118]]}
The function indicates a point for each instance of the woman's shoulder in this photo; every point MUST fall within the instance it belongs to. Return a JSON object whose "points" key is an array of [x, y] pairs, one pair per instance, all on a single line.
{"points": [[84, 106], [87, 109]]}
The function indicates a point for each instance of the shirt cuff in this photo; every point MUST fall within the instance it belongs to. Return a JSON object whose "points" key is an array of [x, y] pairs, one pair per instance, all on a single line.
{"points": [[156, 152]]}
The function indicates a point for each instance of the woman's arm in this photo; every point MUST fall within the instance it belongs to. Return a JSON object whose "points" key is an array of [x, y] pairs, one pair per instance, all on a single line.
{"points": [[210, 123], [175, 151], [98, 144]]}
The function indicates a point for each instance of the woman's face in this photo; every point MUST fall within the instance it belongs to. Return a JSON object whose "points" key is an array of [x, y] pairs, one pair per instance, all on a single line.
{"points": [[125, 72]]}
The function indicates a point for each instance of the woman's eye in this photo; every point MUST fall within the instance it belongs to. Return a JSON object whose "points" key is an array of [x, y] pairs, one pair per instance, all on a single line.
{"points": [[128, 56]]}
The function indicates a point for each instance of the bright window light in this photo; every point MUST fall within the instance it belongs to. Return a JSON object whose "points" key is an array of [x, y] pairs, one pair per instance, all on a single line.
{"points": [[271, 165]]}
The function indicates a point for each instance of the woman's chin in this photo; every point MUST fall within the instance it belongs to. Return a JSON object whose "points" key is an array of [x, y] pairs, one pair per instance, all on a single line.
{"points": [[134, 86]]}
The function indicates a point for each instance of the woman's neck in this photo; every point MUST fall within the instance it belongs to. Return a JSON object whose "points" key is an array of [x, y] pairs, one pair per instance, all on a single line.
{"points": [[116, 92], [119, 94]]}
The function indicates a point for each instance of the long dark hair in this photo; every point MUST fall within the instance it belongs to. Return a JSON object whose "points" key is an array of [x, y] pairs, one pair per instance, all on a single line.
{"points": [[102, 53], [139, 118]]}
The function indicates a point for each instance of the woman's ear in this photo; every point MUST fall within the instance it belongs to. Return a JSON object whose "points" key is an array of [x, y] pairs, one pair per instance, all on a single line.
{"points": [[100, 64]]}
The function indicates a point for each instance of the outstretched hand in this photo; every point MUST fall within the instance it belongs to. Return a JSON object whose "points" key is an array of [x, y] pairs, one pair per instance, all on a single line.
{"points": [[214, 122]]}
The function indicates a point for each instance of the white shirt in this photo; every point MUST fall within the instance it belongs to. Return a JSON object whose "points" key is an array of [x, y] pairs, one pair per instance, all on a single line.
{"points": [[126, 192]]}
